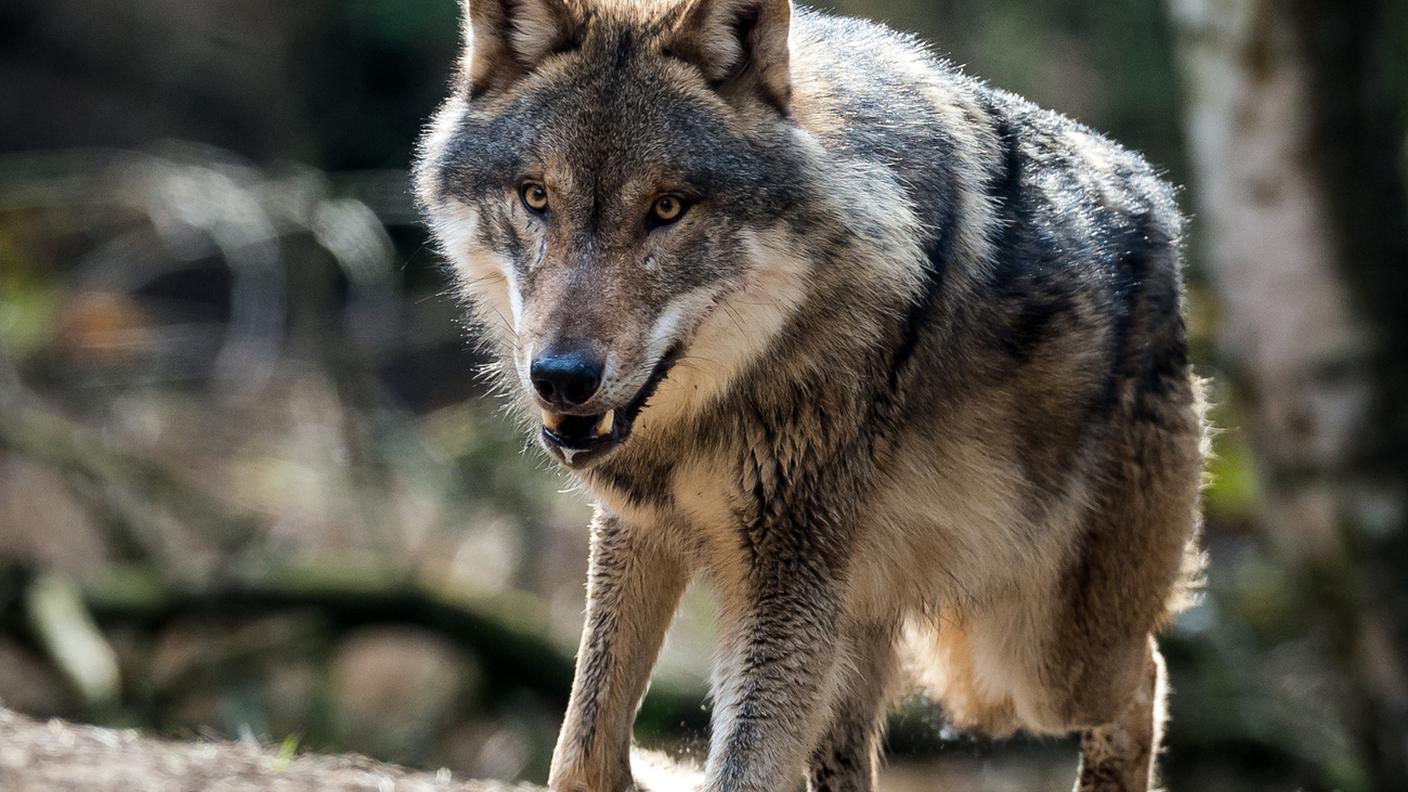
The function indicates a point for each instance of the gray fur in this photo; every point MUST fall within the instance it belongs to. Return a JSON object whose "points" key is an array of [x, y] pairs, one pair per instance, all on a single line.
{"points": [[934, 384]]}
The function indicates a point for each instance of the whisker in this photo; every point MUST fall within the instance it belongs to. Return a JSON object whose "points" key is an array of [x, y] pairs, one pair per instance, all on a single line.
{"points": [[445, 292]]}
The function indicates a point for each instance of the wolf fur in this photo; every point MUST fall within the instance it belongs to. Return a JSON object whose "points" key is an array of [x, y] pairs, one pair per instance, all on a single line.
{"points": [[907, 382]]}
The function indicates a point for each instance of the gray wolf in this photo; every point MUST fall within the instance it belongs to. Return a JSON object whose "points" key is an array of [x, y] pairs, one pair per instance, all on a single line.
{"points": [[893, 359]]}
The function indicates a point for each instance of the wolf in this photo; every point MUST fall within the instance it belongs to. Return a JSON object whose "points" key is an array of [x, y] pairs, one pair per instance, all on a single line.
{"points": [[893, 359]]}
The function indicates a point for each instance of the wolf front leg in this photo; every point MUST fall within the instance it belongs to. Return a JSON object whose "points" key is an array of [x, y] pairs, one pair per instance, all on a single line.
{"points": [[775, 680], [848, 756], [633, 588]]}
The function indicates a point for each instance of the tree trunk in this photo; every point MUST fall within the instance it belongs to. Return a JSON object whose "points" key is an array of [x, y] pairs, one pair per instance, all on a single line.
{"points": [[1295, 121]]}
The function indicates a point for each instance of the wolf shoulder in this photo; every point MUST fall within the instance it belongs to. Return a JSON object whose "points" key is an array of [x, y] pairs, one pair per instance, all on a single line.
{"points": [[872, 93]]}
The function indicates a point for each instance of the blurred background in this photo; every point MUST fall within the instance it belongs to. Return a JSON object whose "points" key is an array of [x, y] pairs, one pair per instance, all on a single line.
{"points": [[250, 486]]}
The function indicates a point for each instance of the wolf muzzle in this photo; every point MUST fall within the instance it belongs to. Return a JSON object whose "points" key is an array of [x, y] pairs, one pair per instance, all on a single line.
{"points": [[568, 381]]}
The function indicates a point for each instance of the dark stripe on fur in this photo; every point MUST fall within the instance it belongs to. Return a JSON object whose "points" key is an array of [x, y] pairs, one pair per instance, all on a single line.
{"points": [[936, 256], [1006, 184]]}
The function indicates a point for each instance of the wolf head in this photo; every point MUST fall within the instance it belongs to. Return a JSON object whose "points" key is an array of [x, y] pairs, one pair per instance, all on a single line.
{"points": [[613, 184]]}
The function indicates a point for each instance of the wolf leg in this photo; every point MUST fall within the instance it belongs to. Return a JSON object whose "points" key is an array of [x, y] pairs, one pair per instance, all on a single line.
{"points": [[1119, 756], [774, 681], [633, 588], [847, 758]]}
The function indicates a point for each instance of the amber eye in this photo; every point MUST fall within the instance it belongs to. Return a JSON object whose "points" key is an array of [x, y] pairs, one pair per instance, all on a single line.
{"points": [[535, 196], [667, 209]]}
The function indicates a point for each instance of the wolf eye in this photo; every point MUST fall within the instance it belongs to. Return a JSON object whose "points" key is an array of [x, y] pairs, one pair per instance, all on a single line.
{"points": [[535, 197], [667, 209]]}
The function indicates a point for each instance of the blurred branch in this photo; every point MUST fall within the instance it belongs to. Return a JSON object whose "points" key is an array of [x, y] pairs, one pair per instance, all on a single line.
{"points": [[507, 631], [177, 205], [63, 626], [138, 491]]}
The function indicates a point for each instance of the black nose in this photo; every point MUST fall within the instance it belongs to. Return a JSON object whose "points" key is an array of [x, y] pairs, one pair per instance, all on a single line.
{"points": [[567, 379]]}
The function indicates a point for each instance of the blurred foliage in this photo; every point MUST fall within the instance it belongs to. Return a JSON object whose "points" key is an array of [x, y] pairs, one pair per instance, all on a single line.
{"points": [[247, 324]]}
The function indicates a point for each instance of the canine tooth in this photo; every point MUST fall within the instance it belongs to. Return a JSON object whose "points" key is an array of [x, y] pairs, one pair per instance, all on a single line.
{"points": [[603, 427], [551, 421]]}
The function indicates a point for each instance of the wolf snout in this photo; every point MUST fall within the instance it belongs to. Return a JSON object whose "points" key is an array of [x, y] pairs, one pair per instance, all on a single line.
{"points": [[566, 378]]}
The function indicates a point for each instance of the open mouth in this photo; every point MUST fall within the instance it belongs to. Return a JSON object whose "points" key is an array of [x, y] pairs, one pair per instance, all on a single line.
{"points": [[581, 439]]}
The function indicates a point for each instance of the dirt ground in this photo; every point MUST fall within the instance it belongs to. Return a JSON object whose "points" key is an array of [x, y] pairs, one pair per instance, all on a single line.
{"points": [[55, 756]]}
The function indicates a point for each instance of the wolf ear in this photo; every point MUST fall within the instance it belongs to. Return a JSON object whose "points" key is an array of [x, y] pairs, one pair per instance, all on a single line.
{"points": [[737, 43], [506, 39]]}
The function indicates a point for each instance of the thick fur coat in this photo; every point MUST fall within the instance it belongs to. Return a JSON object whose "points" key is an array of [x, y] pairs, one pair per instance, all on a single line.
{"points": [[894, 360]]}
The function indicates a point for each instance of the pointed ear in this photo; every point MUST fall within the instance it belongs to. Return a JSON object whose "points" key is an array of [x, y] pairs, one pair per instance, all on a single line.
{"points": [[506, 39], [737, 43]]}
